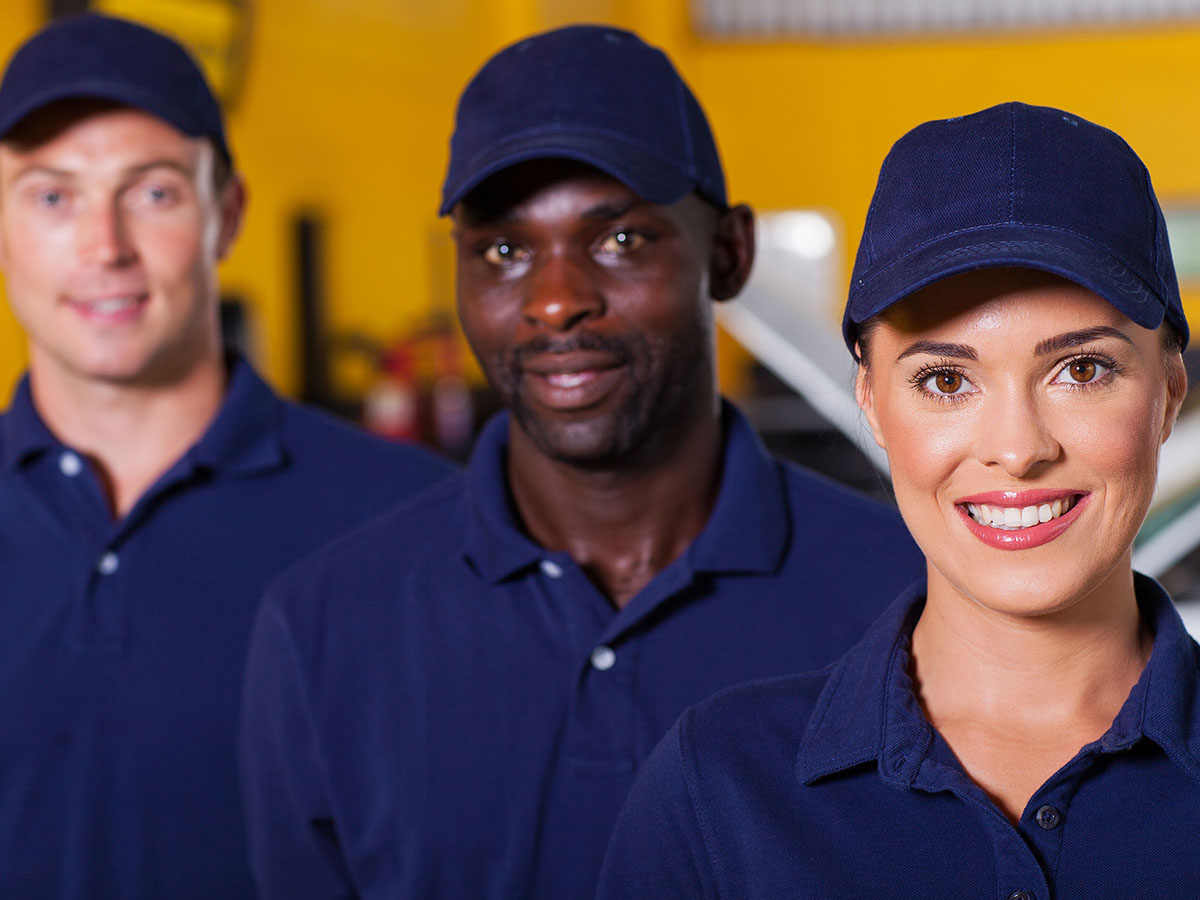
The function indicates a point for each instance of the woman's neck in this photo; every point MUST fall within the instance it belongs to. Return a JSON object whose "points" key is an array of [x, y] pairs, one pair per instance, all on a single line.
{"points": [[1016, 696]]}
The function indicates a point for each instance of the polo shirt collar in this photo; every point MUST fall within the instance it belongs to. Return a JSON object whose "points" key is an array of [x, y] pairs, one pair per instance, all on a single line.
{"points": [[868, 712], [1169, 690], [244, 437], [496, 542], [748, 530], [25, 434], [868, 708]]}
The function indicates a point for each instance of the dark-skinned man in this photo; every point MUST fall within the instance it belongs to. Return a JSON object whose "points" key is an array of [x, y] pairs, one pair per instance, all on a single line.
{"points": [[453, 701], [149, 485]]}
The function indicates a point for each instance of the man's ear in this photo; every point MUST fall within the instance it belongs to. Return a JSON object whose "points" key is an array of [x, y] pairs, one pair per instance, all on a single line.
{"points": [[233, 209], [732, 252], [866, 400]]}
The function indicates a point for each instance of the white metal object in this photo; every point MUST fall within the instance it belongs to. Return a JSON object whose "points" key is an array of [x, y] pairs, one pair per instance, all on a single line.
{"points": [[787, 17]]}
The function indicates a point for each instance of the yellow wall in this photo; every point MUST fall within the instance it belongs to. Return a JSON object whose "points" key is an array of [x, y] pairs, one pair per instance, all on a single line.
{"points": [[347, 105]]}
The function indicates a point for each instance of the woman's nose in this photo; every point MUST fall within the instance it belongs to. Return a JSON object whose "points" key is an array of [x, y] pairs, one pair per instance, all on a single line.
{"points": [[1016, 435]]}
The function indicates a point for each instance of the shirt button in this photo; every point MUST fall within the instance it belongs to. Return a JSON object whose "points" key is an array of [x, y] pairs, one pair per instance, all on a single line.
{"points": [[1021, 895], [70, 464], [1048, 817], [108, 563], [603, 658], [551, 569]]}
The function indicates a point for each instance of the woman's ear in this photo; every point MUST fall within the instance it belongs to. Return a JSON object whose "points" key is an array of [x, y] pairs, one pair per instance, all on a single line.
{"points": [[1176, 392], [866, 399], [732, 252]]}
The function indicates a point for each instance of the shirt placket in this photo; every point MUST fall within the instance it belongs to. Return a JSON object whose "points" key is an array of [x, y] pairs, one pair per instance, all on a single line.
{"points": [[1020, 874], [602, 727], [101, 615]]}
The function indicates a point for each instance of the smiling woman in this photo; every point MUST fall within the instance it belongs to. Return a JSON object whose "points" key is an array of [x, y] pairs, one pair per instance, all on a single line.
{"points": [[1022, 412], [1018, 326]]}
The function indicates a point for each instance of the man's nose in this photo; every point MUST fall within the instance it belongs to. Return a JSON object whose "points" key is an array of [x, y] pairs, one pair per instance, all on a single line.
{"points": [[104, 235], [560, 294]]}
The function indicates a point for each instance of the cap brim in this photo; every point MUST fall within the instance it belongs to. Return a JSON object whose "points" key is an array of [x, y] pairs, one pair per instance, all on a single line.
{"points": [[1049, 250], [118, 92], [651, 178]]}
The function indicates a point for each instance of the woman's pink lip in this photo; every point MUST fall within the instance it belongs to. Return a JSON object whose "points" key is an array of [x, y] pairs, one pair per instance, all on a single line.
{"points": [[1019, 498], [1023, 538]]}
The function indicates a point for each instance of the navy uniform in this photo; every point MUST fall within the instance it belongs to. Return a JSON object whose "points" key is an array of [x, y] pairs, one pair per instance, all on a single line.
{"points": [[438, 707], [123, 636]]}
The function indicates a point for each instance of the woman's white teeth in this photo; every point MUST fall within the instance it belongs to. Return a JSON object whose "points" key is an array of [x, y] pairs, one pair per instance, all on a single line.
{"points": [[1012, 517]]}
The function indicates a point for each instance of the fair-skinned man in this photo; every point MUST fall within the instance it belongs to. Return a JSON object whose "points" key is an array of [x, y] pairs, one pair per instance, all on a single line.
{"points": [[453, 701], [150, 484], [111, 226]]}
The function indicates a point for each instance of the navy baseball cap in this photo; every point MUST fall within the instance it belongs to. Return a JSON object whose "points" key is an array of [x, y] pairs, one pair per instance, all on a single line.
{"points": [[590, 93], [1016, 185], [106, 58]]}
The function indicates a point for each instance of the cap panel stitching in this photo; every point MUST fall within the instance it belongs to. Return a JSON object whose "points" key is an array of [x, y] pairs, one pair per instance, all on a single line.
{"points": [[1012, 172], [868, 232], [1155, 212]]}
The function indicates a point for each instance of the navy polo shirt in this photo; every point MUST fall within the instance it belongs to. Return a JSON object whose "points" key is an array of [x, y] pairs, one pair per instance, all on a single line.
{"points": [[439, 707], [122, 643], [835, 785]]}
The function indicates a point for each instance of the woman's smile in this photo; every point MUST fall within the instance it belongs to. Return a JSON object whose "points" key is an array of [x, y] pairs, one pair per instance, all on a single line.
{"points": [[1023, 527], [1019, 518]]}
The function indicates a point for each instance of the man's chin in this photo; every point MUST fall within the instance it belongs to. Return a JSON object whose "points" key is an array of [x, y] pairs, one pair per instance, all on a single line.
{"points": [[593, 443]]}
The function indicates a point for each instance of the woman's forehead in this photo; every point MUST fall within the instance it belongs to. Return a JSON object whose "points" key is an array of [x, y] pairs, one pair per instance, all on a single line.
{"points": [[1001, 302]]}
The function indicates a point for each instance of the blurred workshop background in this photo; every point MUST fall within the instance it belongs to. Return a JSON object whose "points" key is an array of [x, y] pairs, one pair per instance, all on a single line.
{"points": [[341, 287]]}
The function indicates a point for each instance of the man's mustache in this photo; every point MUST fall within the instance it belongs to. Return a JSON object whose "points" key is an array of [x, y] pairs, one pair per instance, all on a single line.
{"points": [[545, 345]]}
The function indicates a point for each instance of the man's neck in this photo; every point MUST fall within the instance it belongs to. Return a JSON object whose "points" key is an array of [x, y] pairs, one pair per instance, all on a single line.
{"points": [[130, 434], [621, 525]]}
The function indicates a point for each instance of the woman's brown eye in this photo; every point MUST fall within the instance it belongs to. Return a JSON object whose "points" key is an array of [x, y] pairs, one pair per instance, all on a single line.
{"points": [[948, 382], [1082, 371]]}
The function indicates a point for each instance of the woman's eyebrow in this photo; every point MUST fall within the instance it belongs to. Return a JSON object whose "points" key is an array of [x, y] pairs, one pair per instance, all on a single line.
{"points": [[939, 348], [1075, 338]]}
